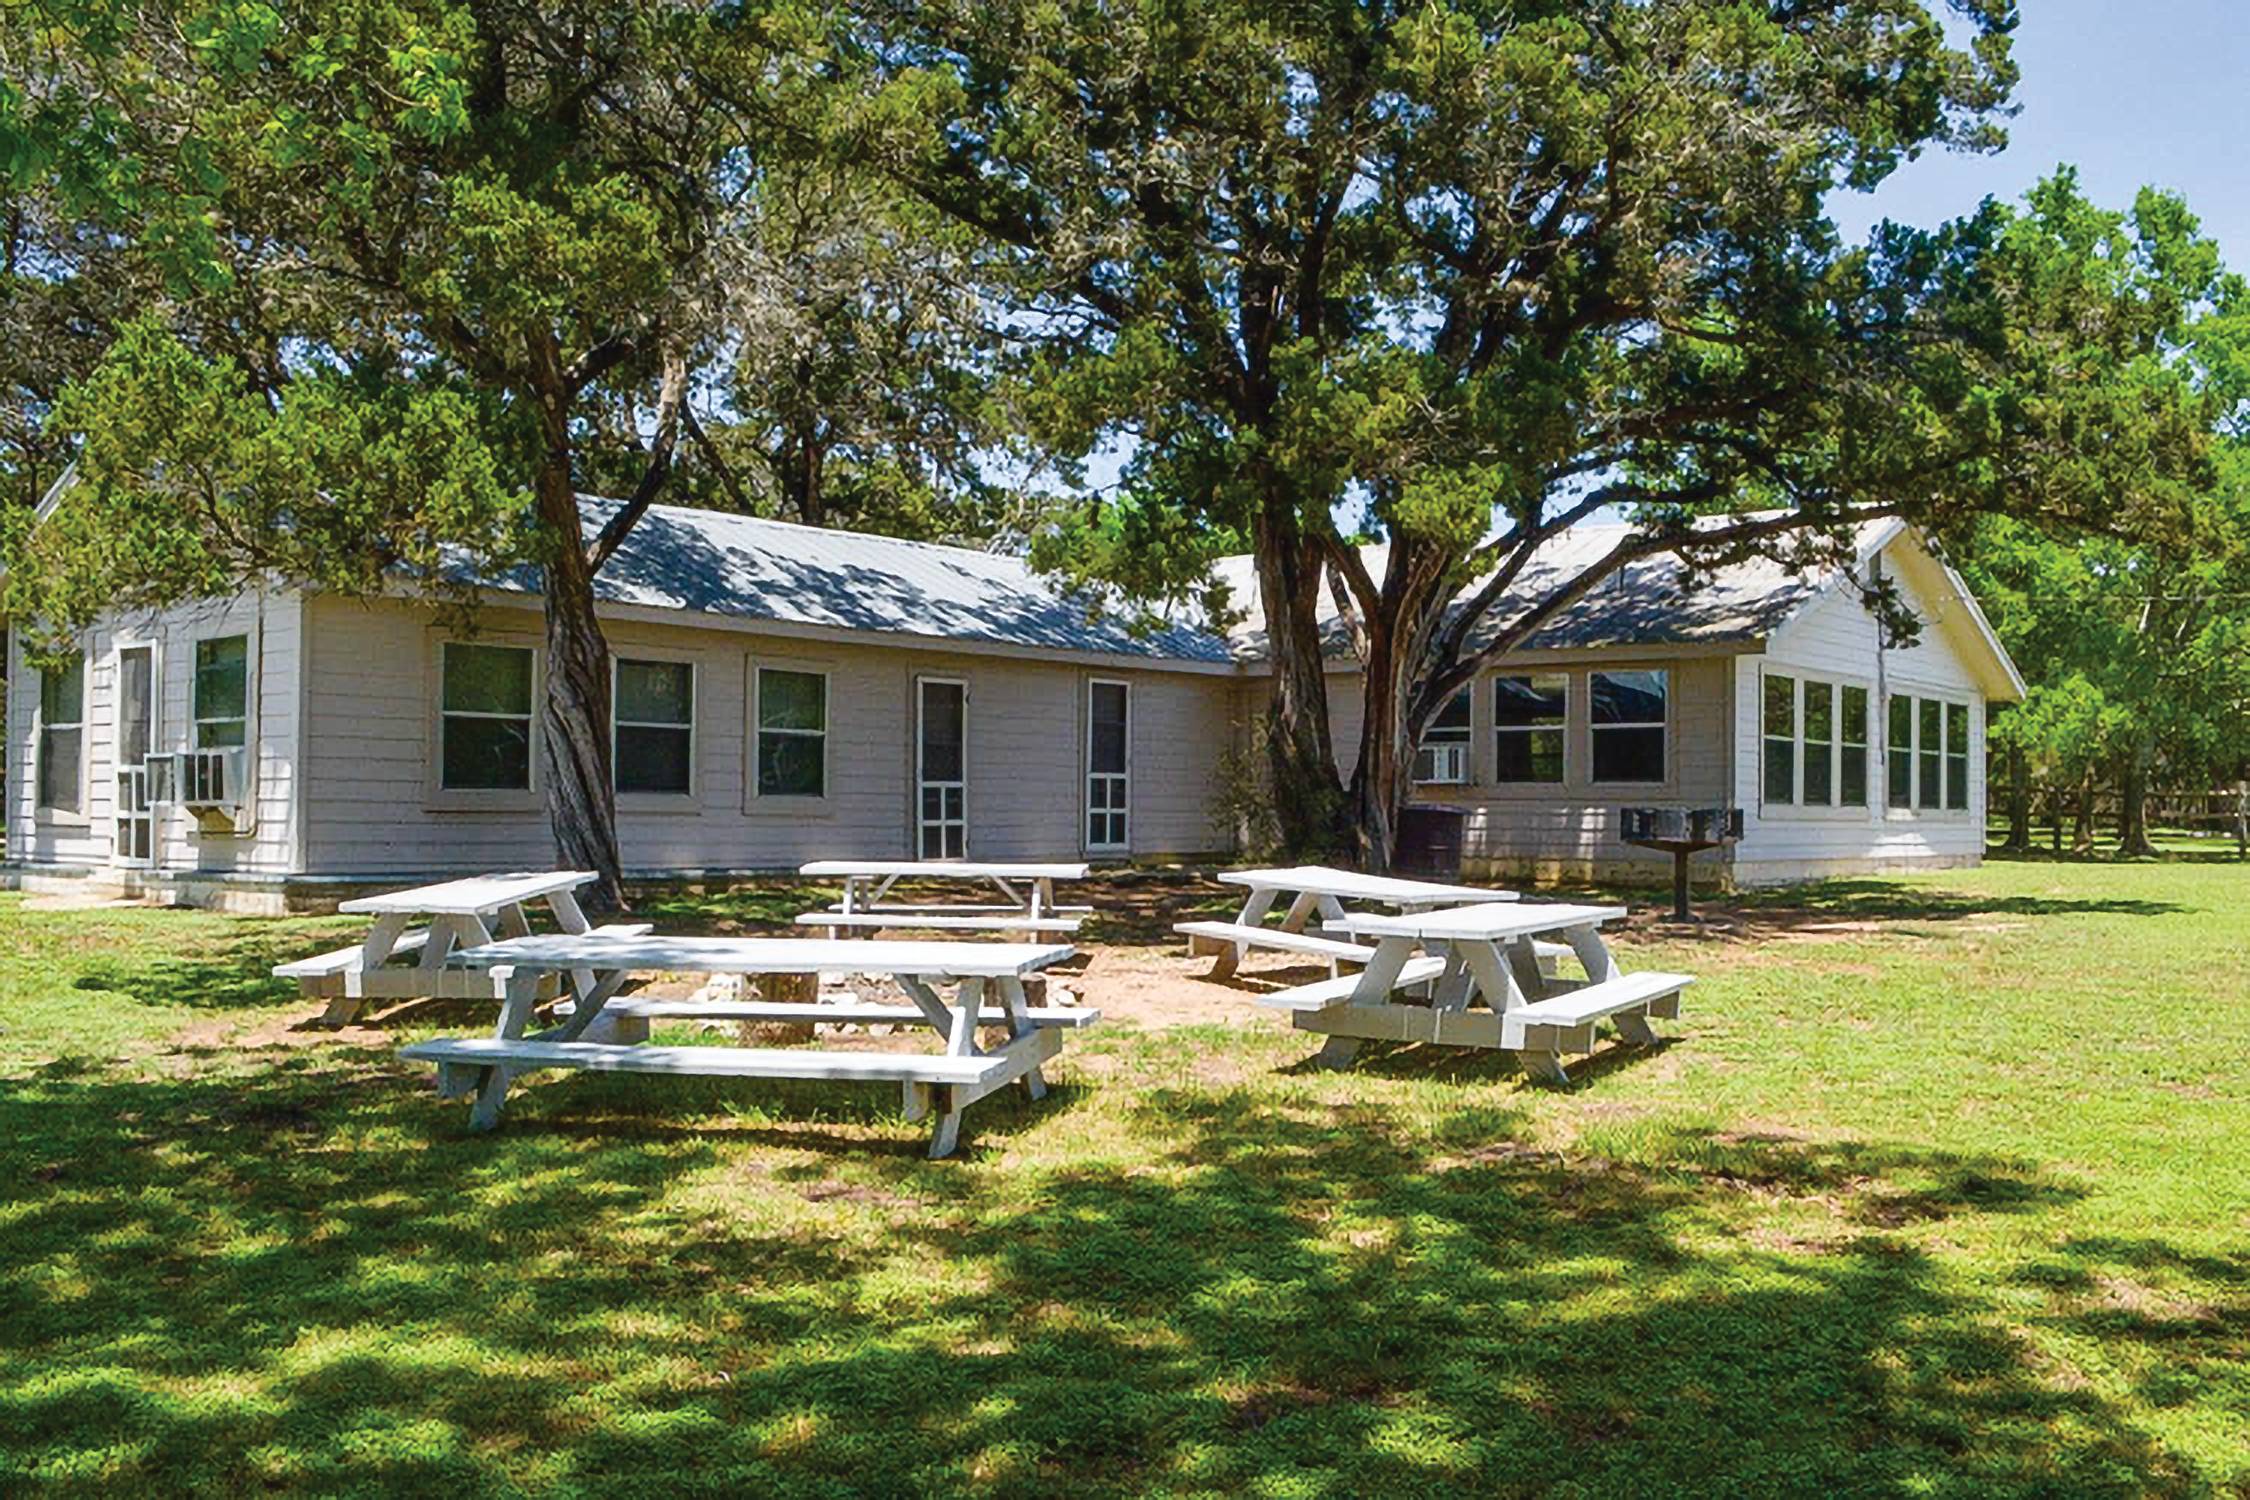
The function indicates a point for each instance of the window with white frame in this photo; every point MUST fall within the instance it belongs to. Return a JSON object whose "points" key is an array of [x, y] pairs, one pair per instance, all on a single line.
{"points": [[222, 692], [1899, 789], [1814, 736], [1443, 757], [1780, 739], [1108, 765], [1851, 745], [792, 753], [1529, 719], [1628, 710], [1956, 757], [1929, 754], [653, 735], [62, 737], [484, 717]]}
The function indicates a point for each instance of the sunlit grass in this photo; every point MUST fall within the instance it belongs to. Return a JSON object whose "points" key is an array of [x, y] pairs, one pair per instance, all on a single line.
{"points": [[1941, 1189]]}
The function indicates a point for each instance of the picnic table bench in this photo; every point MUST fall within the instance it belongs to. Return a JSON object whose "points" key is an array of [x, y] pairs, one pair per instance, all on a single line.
{"points": [[944, 1084], [397, 960], [1484, 953], [1026, 889], [1312, 889]]}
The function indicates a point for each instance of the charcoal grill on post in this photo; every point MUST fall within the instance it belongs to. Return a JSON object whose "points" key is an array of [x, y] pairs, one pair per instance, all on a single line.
{"points": [[1679, 832]]}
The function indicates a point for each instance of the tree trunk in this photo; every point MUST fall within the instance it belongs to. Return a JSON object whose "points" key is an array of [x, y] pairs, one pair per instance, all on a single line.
{"points": [[2082, 829], [581, 799], [1384, 780], [1307, 794], [2019, 801], [798, 467], [2132, 809]]}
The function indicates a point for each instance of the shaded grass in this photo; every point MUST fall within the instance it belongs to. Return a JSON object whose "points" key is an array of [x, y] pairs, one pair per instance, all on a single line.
{"points": [[1950, 1202]]}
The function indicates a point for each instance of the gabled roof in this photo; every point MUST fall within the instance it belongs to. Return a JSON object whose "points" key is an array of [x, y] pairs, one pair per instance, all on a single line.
{"points": [[716, 563], [1652, 602], [1646, 603]]}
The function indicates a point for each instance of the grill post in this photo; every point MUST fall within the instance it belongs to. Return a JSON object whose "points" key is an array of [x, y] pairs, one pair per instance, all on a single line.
{"points": [[1679, 832]]}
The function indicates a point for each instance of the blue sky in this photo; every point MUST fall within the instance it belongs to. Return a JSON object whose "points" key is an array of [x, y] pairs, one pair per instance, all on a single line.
{"points": [[2151, 93]]}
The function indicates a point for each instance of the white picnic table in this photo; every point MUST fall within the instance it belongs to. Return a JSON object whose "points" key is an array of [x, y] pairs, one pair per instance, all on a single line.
{"points": [[397, 960], [1311, 890], [1485, 984], [943, 1084], [1026, 890]]}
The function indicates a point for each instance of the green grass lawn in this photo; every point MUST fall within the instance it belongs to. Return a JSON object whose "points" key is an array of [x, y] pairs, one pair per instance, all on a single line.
{"points": [[1942, 1189]]}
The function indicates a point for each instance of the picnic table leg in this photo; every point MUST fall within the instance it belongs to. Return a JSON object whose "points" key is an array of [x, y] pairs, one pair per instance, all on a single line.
{"points": [[1542, 1064], [958, 1025], [1601, 966], [1013, 996], [1495, 978], [1451, 990], [1376, 982], [1230, 954], [571, 918], [1593, 953], [381, 938], [515, 1014], [589, 1021], [1523, 963], [439, 947]]}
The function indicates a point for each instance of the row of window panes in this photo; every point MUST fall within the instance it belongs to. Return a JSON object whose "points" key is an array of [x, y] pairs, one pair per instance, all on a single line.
{"points": [[1816, 745], [485, 736], [1530, 715], [1929, 754], [1815, 742], [220, 708]]}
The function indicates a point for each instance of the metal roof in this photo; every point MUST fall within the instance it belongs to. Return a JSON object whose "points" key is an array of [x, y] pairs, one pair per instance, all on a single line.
{"points": [[1652, 602], [746, 568], [742, 567]]}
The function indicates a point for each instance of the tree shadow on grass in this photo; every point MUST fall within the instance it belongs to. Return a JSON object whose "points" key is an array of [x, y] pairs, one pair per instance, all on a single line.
{"points": [[233, 974], [1898, 900], [309, 1277]]}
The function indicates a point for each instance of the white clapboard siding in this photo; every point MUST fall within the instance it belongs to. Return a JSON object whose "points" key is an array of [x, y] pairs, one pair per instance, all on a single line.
{"points": [[273, 623], [1835, 638], [369, 807]]}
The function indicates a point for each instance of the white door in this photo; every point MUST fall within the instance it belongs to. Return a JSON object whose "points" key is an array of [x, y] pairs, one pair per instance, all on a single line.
{"points": [[1108, 767], [941, 769], [134, 843]]}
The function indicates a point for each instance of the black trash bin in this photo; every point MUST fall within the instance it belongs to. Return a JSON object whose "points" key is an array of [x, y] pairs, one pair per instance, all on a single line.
{"points": [[1431, 841]]}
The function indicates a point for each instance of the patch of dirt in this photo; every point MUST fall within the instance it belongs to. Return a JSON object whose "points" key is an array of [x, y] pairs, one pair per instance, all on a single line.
{"points": [[93, 900], [1160, 988], [1782, 1242], [855, 1193], [2121, 1295]]}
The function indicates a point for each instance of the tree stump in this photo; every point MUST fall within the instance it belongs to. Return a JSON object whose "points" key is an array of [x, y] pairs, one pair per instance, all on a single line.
{"points": [[782, 989]]}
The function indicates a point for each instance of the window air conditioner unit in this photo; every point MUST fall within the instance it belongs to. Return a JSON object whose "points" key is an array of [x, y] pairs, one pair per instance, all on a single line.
{"points": [[1442, 764], [213, 785]]}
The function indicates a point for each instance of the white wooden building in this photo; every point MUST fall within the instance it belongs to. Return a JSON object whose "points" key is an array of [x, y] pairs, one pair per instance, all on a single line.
{"points": [[786, 694]]}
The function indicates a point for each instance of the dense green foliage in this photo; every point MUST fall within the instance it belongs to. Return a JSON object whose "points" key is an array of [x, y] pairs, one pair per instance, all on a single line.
{"points": [[427, 268], [1939, 1191], [376, 281], [2135, 638], [861, 385], [1457, 275]]}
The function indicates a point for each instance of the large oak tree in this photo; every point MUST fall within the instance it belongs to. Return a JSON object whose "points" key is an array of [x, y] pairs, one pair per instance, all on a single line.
{"points": [[1456, 274]]}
